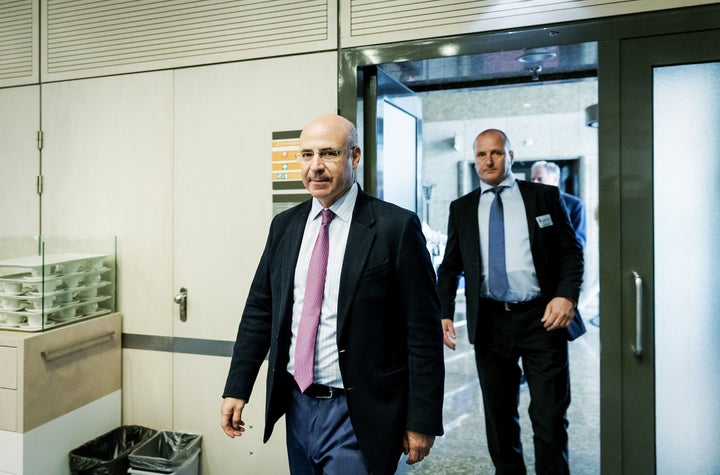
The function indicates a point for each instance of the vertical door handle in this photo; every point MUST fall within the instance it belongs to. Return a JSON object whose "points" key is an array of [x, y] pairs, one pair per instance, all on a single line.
{"points": [[638, 346], [181, 299]]}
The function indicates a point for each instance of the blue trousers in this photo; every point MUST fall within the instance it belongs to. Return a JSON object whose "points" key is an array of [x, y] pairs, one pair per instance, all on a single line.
{"points": [[320, 437]]}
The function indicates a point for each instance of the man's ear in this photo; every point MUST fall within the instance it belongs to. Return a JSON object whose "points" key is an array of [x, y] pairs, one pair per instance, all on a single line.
{"points": [[356, 154]]}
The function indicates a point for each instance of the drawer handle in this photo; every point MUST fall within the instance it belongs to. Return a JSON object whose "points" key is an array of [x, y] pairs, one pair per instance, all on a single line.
{"points": [[75, 347]]}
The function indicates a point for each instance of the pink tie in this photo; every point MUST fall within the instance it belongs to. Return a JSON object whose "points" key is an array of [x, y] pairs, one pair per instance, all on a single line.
{"points": [[314, 289]]}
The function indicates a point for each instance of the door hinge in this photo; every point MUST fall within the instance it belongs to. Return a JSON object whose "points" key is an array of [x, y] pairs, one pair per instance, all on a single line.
{"points": [[40, 139], [39, 184]]}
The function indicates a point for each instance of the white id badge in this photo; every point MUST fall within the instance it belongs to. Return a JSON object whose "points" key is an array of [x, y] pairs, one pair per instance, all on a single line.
{"points": [[544, 221]]}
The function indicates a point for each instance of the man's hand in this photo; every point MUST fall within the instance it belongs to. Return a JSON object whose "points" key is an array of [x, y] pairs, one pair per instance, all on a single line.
{"points": [[231, 417], [416, 446], [448, 332], [559, 313]]}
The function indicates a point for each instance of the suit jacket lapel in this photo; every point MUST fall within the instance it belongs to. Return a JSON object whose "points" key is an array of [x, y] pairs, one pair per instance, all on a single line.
{"points": [[530, 202], [290, 248], [474, 227], [360, 240]]}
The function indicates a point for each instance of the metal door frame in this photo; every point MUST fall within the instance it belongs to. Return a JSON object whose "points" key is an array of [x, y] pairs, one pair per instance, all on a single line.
{"points": [[608, 32]]}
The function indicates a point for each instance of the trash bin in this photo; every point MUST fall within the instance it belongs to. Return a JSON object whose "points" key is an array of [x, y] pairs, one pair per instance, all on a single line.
{"points": [[108, 454], [177, 453]]}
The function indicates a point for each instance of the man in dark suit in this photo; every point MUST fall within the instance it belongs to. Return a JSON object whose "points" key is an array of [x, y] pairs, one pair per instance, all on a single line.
{"points": [[549, 174], [524, 308], [378, 370]]}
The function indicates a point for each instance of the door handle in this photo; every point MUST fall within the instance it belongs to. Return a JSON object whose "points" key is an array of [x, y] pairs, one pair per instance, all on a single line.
{"points": [[181, 299], [637, 348]]}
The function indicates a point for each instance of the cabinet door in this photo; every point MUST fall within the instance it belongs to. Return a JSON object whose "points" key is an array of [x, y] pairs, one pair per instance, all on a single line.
{"points": [[19, 161], [8, 388], [108, 171], [224, 119]]}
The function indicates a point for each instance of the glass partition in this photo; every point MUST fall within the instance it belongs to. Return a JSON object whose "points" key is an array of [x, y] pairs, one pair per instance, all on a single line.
{"points": [[50, 281], [687, 270]]}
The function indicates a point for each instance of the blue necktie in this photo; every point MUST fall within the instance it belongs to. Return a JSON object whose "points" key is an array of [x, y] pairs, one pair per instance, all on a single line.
{"points": [[497, 278]]}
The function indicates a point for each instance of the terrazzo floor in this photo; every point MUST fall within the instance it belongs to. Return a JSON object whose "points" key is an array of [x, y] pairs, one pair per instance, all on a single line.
{"points": [[463, 449]]}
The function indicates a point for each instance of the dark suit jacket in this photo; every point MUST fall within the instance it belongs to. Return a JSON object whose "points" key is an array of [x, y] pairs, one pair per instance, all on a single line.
{"points": [[389, 334], [576, 213], [556, 253]]}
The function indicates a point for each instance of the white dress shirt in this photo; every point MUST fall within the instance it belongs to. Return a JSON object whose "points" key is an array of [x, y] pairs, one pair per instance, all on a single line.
{"points": [[327, 367], [522, 278]]}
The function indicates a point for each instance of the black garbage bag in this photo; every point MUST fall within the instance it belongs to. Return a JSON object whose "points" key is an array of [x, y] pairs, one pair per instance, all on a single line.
{"points": [[165, 452], [108, 454]]}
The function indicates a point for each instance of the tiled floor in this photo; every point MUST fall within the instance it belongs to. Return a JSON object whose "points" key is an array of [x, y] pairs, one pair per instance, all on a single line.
{"points": [[463, 450]]}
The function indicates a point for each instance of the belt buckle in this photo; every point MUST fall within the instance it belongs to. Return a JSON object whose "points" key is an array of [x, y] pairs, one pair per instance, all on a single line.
{"points": [[319, 391], [507, 306], [329, 394]]}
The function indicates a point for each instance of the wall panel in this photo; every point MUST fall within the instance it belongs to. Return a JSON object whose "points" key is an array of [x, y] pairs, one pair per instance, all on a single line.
{"points": [[107, 166], [367, 22], [19, 160], [102, 37], [18, 42]]}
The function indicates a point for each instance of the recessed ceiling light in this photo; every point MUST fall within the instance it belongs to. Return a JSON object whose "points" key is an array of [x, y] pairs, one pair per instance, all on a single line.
{"points": [[449, 50], [536, 57]]}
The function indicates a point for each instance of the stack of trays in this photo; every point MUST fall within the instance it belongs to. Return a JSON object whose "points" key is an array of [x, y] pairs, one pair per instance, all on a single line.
{"points": [[58, 288]]}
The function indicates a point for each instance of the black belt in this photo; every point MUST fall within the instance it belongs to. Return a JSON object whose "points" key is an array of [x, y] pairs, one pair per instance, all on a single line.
{"points": [[318, 391], [520, 306]]}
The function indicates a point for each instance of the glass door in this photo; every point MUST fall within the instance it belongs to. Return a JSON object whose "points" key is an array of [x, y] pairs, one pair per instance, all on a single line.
{"points": [[667, 281], [392, 159]]}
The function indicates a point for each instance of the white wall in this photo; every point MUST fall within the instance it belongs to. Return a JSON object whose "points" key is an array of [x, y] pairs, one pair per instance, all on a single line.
{"points": [[177, 165], [19, 160]]}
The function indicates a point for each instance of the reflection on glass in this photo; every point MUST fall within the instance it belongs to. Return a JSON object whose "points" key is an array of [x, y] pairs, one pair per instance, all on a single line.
{"points": [[687, 267], [399, 157]]}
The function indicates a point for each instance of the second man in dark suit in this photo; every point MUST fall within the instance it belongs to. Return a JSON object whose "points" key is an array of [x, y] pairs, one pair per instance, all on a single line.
{"points": [[522, 306], [549, 173]]}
